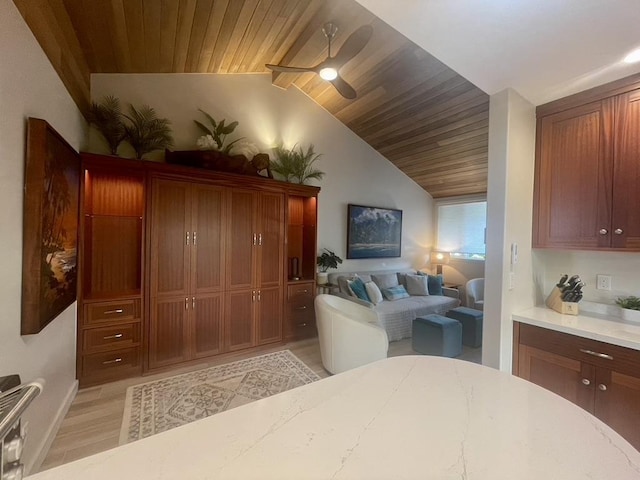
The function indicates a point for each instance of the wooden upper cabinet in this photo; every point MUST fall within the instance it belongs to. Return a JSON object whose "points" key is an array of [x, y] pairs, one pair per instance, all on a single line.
{"points": [[587, 185], [573, 177], [626, 175]]}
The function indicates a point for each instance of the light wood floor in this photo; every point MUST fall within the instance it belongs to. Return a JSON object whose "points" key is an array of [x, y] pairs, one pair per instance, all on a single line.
{"points": [[93, 422]]}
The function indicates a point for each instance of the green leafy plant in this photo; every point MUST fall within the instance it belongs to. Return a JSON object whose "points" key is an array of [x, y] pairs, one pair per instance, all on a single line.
{"points": [[296, 165], [328, 260], [107, 118], [630, 303], [218, 134], [146, 132]]}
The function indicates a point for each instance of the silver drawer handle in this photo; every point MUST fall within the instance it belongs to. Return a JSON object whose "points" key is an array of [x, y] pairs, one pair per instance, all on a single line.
{"points": [[603, 231], [117, 335], [618, 231], [304, 307], [117, 310], [602, 387], [586, 381], [596, 354], [117, 360], [302, 324]]}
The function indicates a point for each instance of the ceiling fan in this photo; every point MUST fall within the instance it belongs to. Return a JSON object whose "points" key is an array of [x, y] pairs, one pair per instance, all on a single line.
{"points": [[329, 68]]}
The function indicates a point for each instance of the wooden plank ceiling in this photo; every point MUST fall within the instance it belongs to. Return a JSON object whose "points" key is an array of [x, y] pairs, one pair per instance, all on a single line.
{"points": [[421, 115]]}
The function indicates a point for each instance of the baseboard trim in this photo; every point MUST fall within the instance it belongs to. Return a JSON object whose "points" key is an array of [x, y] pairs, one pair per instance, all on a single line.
{"points": [[45, 445]]}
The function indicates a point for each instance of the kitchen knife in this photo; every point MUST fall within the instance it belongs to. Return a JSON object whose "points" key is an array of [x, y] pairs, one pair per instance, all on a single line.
{"points": [[563, 279]]}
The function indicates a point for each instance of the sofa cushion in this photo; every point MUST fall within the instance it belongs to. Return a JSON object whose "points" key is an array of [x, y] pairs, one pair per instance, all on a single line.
{"points": [[357, 287], [386, 280], [435, 284], [394, 293], [417, 284], [343, 282], [375, 295]]}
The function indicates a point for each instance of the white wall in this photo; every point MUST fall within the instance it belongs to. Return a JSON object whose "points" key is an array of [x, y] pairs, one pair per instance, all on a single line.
{"points": [[29, 86], [355, 173], [508, 287], [624, 269]]}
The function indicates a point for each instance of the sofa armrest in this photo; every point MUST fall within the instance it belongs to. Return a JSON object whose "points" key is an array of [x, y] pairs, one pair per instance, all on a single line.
{"points": [[451, 292]]}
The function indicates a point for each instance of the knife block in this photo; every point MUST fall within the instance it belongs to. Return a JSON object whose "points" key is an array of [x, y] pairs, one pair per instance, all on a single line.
{"points": [[554, 301]]}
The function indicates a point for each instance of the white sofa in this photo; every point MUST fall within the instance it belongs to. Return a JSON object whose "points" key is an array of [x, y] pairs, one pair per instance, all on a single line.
{"points": [[396, 316], [349, 334]]}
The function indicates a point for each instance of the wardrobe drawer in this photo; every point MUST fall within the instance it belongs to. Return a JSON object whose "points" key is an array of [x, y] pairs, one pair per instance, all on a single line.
{"points": [[108, 338], [102, 312], [300, 290], [112, 363]]}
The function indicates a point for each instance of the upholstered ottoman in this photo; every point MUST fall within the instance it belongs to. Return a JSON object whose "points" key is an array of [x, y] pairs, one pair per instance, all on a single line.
{"points": [[471, 320], [437, 335]]}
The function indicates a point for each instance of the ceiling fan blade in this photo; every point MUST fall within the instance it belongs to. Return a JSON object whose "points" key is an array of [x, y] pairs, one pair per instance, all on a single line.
{"points": [[344, 88], [284, 68], [353, 45]]}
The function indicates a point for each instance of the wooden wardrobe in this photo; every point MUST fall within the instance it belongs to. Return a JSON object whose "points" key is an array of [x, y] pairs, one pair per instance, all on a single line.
{"points": [[179, 264]]}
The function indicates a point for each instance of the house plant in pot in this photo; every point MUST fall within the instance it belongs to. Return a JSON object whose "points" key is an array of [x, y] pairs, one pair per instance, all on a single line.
{"points": [[327, 260], [630, 308]]}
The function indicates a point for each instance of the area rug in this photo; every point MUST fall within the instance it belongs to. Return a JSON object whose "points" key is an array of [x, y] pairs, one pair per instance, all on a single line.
{"points": [[161, 405]]}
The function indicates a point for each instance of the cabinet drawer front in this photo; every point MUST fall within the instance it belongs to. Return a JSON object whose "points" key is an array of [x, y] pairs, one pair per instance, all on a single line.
{"points": [[108, 338], [110, 311], [108, 363], [586, 350], [300, 290]]}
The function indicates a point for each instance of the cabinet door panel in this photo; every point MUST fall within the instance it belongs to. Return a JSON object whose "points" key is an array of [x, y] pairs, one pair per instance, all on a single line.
{"points": [[207, 253], [561, 375], [168, 334], [269, 315], [271, 236], [169, 250], [239, 321], [626, 182], [619, 405], [207, 325], [240, 239], [574, 175]]}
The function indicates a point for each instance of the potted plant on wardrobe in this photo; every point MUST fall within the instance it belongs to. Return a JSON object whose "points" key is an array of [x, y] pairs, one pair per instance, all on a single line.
{"points": [[327, 260]]}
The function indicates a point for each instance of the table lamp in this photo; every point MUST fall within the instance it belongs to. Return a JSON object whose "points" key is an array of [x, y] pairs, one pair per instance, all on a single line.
{"points": [[438, 259]]}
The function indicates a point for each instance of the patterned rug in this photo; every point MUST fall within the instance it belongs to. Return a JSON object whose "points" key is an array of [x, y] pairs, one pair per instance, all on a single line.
{"points": [[161, 405]]}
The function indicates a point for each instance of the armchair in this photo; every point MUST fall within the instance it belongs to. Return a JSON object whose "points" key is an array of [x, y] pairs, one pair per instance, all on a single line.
{"points": [[475, 293], [350, 335]]}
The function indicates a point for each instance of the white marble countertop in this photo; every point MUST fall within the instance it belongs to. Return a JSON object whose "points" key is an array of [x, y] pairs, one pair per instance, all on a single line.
{"points": [[605, 328], [402, 418]]}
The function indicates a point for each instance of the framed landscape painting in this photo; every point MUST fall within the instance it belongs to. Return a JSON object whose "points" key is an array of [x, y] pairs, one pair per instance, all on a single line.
{"points": [[50, 226], [373, 232]]}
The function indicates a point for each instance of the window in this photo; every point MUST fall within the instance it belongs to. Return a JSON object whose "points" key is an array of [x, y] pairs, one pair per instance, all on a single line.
{"points": [[461, 228]]}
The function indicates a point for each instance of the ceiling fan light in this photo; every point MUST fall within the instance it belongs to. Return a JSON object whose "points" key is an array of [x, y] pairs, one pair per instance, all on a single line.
{"points": [[328, 73], [633, 57]]}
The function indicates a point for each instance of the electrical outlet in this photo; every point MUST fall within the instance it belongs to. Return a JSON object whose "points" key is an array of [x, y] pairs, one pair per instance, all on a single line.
{"points": [[603, 282]]}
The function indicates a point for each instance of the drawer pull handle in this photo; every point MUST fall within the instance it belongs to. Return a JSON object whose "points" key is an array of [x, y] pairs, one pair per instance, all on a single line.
{"points": [[304, 307], [603, 231], [302, 324], [596, 354], [586, 381], [618, 231], [110, 312], [117, 360], [117, 335], [602, 387], [304, 291]]}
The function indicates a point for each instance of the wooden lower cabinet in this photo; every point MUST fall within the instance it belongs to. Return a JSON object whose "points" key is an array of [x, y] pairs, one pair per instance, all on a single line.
{"points": [[603, 379], [255, 318], [301, 319]]}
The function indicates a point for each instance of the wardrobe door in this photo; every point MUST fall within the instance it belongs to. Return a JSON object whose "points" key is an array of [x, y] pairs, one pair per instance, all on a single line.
{"points": [[242, 239], [271, 240], [170, 299], [207, 325], [269, 315], [240, 325]]}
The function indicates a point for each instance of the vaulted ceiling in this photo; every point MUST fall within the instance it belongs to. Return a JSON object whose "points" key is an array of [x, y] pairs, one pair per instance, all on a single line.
{"points": [[418, 113]]}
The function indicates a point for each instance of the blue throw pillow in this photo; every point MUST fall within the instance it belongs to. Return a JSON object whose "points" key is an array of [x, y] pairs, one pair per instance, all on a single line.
{"points": [[358, 288], [434, 284], [395, 293]]}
